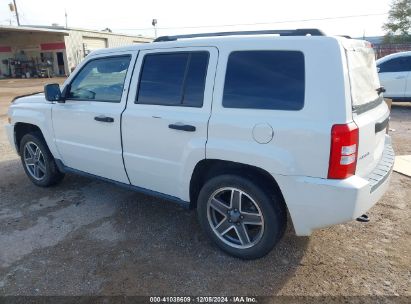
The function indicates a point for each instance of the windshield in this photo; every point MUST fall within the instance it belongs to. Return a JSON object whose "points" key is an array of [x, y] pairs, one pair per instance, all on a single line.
{"points": [[363, 75]]}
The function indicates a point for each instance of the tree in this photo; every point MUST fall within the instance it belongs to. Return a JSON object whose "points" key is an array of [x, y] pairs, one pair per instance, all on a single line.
{"points": [[398, 27]]}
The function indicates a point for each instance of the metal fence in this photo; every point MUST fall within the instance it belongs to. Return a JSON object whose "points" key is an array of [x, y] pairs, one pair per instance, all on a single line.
{"points": [[382, 50]]}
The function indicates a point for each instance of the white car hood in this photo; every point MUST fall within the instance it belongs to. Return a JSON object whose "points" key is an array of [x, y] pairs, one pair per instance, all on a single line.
{"points": [[31, 98]]}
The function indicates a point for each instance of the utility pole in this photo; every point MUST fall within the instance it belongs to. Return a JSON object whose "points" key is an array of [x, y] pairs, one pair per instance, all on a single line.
{"points": [[65, 14], [154, 24], [17, 13]]}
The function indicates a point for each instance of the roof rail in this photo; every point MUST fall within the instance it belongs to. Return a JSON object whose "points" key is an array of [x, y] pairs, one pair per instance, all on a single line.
{"points": [[296, 32]]}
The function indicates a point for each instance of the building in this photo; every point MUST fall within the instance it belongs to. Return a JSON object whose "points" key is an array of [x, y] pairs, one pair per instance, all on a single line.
{"points": [[36, 51]]}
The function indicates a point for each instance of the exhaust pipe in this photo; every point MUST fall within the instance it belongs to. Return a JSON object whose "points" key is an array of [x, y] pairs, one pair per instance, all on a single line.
{"points": [[363, 218]]}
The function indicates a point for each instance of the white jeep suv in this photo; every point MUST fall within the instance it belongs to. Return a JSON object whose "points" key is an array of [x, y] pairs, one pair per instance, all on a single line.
{"points": [[244, 127]]}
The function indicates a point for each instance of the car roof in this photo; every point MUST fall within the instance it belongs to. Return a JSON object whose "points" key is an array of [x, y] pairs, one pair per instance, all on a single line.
{"points": [[211, 41], [394, 55]]}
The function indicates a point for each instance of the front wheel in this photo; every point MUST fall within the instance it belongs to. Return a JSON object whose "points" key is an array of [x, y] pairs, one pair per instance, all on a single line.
{"points": [[243, 219], [38, 162]]}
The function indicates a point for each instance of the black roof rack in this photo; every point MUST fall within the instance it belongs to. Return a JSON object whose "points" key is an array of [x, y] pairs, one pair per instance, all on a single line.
{"points": [[297, 32]]}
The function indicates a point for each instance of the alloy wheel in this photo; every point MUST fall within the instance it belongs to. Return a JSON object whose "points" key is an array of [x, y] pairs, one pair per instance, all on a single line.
{"points": [[34, 161], [235, 217]]}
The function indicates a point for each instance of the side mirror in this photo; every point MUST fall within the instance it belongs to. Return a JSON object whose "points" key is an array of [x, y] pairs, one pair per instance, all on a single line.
{"points": [[53, 93], [378, 69]]}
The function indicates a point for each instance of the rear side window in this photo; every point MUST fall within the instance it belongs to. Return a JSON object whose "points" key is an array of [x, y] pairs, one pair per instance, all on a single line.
{"points": [[400, 64], [273, 80], [173, 79]]}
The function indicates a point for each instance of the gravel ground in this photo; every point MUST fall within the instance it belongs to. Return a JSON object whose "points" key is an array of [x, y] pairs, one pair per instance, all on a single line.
{"points": [[86, 237]]}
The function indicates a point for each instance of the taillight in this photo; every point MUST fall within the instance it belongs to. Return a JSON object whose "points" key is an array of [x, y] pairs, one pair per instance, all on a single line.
{"points": [[343, 153]]}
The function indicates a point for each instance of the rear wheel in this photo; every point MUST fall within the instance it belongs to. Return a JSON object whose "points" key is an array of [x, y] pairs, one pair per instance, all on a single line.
{"points": [[38, 162], [240, 217]]}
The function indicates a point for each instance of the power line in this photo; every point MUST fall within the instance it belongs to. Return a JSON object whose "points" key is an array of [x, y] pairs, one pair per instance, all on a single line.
{"points": [[251, 24]]}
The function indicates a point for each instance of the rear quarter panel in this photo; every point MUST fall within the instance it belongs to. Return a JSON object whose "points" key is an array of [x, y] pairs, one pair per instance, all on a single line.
{"points": [[301, 140]]}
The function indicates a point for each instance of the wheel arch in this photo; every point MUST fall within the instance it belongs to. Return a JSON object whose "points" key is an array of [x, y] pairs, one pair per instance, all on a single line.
{"points": [[209, 168], [23, 128], [43, 161]]}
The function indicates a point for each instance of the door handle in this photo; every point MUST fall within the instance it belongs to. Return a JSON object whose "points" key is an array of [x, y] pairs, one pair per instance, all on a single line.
{"points": [[103, 118], [181, 127], [400, 77]]}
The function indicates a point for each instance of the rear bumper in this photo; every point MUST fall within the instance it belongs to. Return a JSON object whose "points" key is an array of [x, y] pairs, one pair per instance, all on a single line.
{"points": [[316, 203]]}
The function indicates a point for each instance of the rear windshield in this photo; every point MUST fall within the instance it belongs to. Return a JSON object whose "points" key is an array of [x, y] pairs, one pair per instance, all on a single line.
{"points": [[363, 76]]}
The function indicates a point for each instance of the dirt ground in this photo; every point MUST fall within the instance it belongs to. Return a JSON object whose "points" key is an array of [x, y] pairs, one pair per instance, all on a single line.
{"points": [[87, 237]]}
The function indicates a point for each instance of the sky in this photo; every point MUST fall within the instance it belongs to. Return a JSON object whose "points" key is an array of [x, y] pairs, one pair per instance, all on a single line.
{"points": [[355, 18]]}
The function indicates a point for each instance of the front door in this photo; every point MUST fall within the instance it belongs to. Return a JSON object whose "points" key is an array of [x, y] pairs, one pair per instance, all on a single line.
{"points": [[87, 125], [165, 123], [393, 76], [407, 91]]}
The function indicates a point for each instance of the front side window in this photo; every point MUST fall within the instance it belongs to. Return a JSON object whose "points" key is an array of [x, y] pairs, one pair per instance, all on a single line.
{"points": [[273, 80], [100, 80], [173, 79], [400, 64]]}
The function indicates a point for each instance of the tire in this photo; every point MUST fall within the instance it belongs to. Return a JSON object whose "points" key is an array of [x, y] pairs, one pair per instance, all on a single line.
{"points": [[268, 216], [38, 162]]}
